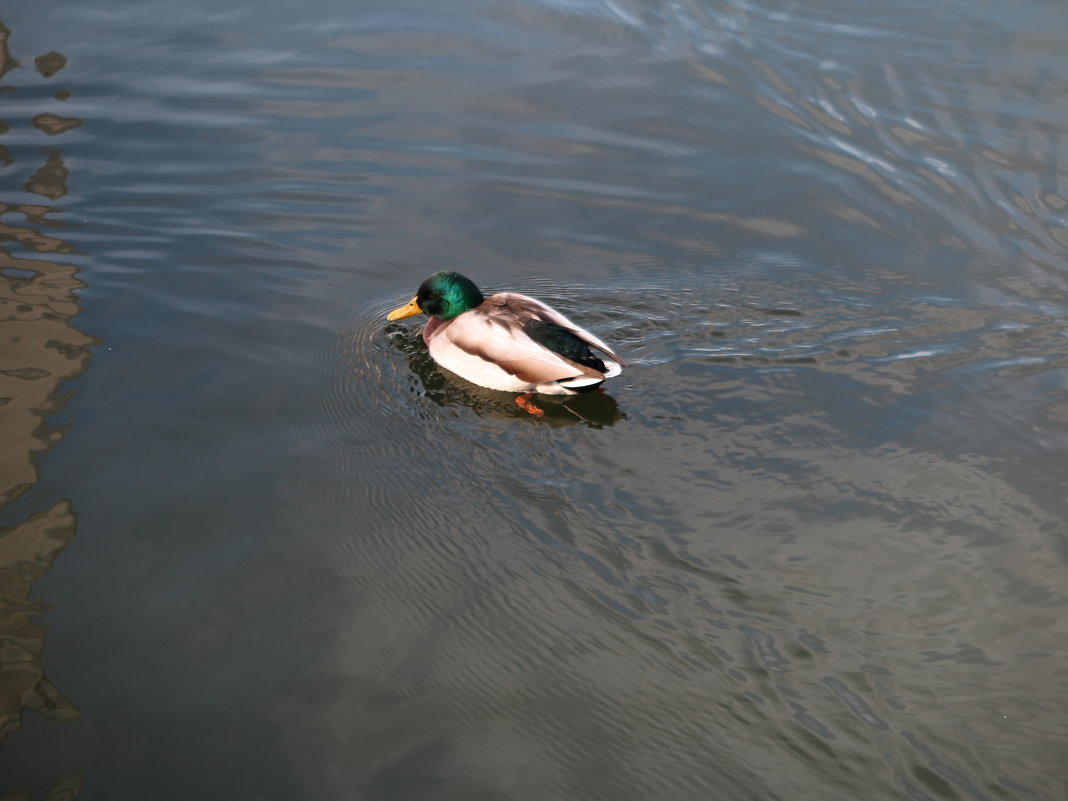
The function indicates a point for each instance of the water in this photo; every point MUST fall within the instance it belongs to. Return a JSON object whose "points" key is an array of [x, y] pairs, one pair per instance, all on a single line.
{"points": [[811, 545]]}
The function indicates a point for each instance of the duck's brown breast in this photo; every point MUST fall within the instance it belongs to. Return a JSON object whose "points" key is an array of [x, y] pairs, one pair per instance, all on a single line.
{"points": [[432, 325]]}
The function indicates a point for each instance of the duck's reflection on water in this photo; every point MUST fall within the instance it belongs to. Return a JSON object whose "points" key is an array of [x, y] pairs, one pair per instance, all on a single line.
{"points": [[42, 350], [594, 409]]}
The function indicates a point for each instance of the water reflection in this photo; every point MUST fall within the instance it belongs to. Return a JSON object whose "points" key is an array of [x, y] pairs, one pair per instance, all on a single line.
{"points": [[65, 789], [26, 553], [42, 351]]}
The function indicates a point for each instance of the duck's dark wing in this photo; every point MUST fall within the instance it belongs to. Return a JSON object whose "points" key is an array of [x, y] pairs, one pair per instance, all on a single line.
{"points": [[560, 340], [546, 326]]}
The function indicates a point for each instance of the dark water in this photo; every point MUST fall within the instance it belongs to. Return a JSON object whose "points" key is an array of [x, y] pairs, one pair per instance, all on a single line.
{"points": [[812, 545]]}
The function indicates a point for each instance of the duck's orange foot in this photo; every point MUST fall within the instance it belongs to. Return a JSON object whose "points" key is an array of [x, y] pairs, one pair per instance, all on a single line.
{"points": [[524, 401]]}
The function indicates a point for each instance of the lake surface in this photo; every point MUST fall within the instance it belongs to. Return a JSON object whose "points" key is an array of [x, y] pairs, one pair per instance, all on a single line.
{"points": [[812, 544]]}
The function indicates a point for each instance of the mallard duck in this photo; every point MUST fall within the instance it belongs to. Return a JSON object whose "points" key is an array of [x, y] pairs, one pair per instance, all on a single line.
{"points": [[508, 342]]}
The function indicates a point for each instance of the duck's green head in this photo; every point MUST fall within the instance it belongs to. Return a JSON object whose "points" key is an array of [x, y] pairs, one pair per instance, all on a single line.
{"points": [[443, 295]]}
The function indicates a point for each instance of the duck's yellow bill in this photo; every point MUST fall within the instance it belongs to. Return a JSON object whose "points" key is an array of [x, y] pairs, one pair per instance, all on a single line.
{"points": [[405, 311]]}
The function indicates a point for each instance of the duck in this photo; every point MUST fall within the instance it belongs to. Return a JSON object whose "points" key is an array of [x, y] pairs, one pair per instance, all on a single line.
{"points": [[507, 341]]}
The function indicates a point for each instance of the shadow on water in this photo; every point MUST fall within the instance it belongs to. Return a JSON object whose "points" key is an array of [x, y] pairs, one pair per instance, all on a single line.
{"points": [[42, 350]]}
